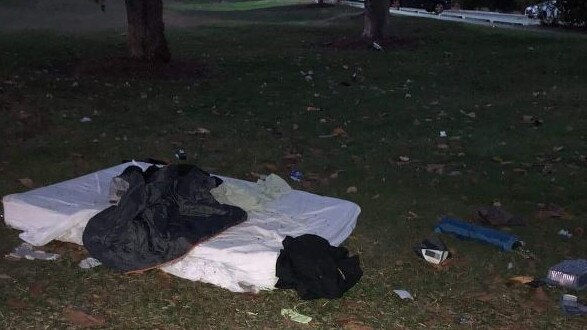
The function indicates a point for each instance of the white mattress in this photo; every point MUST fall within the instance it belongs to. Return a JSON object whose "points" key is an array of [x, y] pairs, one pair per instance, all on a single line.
{"points": [[242, 258]]}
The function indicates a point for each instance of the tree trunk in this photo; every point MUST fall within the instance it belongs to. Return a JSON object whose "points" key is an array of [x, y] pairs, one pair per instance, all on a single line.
{"points": [[376, 13], [146, 40]]}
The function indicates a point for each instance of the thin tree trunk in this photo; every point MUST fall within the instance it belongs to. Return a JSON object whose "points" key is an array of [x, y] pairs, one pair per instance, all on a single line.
{"points": [[376, 13], [146, 40]]}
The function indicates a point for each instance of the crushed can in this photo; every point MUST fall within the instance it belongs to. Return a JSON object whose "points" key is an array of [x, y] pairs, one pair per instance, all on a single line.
{"points": [[296, 175]]}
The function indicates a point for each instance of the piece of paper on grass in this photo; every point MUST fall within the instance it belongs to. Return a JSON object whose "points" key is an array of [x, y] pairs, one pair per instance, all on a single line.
{"points": [[403, 294], [295, 316]]}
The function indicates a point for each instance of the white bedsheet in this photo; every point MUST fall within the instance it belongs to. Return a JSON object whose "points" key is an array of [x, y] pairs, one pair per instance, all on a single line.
{"points": [[242, 258]]}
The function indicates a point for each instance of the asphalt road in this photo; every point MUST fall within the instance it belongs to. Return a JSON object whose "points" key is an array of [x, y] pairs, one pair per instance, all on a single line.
{"points": [[467, 16]]}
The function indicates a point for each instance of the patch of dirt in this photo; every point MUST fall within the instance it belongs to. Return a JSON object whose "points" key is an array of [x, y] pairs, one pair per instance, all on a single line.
{"points": [[26, 119], [124, 67], [357, 43]]}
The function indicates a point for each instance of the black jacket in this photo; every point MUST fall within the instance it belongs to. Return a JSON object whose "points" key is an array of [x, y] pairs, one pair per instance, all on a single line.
{"points": [[162, 215]]}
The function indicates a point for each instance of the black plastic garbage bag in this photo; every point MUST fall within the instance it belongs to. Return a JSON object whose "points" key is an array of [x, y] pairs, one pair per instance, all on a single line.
{"points": [[315, 269]]}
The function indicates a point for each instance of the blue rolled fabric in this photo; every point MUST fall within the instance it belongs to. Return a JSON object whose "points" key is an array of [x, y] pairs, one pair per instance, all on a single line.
{"points": [[465, 230]]}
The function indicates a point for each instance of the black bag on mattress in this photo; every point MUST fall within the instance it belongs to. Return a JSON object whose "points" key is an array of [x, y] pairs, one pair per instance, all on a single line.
{"points": [[162, 214]]}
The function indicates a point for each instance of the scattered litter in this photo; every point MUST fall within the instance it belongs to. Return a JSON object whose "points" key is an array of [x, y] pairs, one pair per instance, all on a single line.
{"points": [[443, 134], [180, 154], [432, 249], [403, 294], [464, 230], [25, 250], [497, 216], [295, 316], [90, 262], [569, 273], [570, 305], [510, 265], [465, 320], [435, 168], [526, 119], [296, 175], [469, 114], [85, 120], [525, 253], [565, 233], [404, 159], [312, 108], [351, 190], [376, 46], [558, 148], [201, 130]]}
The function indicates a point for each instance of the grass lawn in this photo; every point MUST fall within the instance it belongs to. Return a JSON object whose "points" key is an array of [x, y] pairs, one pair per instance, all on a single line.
{"points": [[512, 103]]}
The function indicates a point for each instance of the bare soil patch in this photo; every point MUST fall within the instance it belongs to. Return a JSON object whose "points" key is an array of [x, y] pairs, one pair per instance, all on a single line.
{"points": [[124, 67]]}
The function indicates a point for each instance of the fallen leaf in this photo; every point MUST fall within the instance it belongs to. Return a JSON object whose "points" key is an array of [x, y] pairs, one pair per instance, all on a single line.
{"points": [[339, 132], [14, 303], [351, 190], [291, 158], [499, 160], [550, 210], [36, 289], [522, 279], [485, 296], [82, 319], [27, 182], [355, 325], [411, 215], [270, 167], [435, 168]]}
